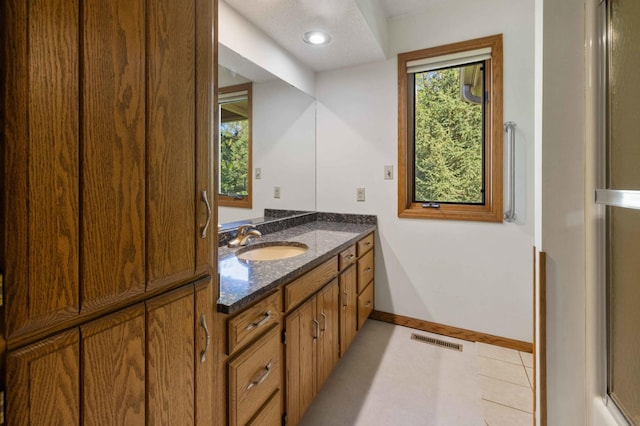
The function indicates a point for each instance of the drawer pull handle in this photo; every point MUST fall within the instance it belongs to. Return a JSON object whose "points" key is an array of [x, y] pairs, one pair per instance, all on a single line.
{"points": [[203, 232], [368, 243], [350, 256], [203, 324], [367, 304], [346, 299], [263, 376], [367, 270], [324, 321], [267, 317], [316, 329]]}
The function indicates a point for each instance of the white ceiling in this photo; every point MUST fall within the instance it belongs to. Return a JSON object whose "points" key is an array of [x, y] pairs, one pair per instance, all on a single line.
{"points": [[355, 40]]}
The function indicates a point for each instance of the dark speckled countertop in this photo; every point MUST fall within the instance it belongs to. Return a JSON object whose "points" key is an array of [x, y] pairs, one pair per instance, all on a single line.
{"points": [[242, 282]]}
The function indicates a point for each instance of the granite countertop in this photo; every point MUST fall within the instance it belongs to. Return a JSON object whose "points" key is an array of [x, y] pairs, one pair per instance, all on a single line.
{"points": [[242, 282]]}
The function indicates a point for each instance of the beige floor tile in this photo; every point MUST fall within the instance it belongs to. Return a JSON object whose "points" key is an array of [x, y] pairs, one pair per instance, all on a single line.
{"points": [[527, 359], [509, 394], [498, 352], [499, 415], [530, 375], [502, 370]]}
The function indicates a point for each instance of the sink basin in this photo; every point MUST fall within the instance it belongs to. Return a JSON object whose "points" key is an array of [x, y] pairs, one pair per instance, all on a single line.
{"points": [[276, 250]]}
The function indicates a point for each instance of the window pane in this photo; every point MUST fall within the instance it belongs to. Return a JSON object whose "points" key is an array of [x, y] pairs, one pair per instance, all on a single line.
{"points": [[234, 149], [449, 135]]}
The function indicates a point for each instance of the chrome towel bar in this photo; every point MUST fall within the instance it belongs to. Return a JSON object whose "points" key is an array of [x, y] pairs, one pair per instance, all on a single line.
{"points": [[510, 214]]}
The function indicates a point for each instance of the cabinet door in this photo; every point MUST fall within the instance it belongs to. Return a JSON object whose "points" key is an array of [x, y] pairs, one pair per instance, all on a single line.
{"points": [[170, 358], [328, 301], [41, 162], [175, 208], [113, 139], [348, 308], [113, 372], [205, 363], [301, 360], [43, 382]]}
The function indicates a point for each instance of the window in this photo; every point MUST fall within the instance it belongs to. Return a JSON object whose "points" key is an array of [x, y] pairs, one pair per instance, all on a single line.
{"points": [[235, 146], [450, 131]]}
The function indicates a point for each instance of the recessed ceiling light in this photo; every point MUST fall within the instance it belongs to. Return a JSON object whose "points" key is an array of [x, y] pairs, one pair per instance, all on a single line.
{"points": [[316, 37]]}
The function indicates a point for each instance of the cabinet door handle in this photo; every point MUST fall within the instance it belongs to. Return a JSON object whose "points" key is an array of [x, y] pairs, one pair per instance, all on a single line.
{"points": [[350, 256], [346, 299], [368, 243], [205, 200], [368, 304], [263, 376], [267, 316], [316, 329], [324, 321], [367, 270], [203, 324]]}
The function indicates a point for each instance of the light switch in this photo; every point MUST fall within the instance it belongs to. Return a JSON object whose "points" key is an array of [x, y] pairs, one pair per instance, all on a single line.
{"points": [[258, 173], [359, 194], [388, 172], [276, 192]]}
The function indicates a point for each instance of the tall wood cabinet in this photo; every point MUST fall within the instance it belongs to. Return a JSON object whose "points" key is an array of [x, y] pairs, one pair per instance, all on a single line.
{"points": [[107, 207]]}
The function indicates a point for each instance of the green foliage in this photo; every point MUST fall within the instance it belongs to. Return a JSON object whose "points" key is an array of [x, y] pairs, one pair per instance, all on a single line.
{"points": [[234, 158], [448, 140]]}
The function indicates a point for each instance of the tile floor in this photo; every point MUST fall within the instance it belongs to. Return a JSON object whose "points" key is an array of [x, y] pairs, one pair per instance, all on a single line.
{"points": [[388, 379]]}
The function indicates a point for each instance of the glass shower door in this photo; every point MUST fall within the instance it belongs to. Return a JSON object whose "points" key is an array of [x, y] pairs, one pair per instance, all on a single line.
{"points": [[621, 195]]}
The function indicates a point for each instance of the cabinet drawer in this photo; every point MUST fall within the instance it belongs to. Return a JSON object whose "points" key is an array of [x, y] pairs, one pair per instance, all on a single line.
{"points": [[365, 244], [299, 290], [253, 377], [365, 304], [347, 257], [252, 322], [365, 270], [269, 415]]}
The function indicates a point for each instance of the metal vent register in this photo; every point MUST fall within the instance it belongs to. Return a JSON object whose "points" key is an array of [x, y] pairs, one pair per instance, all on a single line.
{"points": [[436, 342]]}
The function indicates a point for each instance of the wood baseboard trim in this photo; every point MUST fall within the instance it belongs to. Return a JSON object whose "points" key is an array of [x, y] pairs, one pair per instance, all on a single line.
{"points": [[447, 330]]}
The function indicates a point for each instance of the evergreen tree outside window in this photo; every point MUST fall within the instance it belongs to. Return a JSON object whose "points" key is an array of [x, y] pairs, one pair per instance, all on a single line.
{"points": [[450, 131], [234, 173]]}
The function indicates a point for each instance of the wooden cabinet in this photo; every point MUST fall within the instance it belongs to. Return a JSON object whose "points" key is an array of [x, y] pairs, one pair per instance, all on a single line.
{"points": [[366, 274], [348, 307], [311, 349], [107, 132], [249, 355], [140, 365]]}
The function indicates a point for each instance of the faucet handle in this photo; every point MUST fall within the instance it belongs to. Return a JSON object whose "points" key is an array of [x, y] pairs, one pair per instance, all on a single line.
{"points": [[242, 229]]}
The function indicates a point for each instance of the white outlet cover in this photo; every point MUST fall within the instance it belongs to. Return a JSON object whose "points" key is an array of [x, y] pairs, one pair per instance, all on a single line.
{"points": [[258, 173]]}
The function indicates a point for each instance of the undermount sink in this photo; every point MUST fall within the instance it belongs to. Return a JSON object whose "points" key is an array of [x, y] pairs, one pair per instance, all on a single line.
{"points": [[276, 250]]}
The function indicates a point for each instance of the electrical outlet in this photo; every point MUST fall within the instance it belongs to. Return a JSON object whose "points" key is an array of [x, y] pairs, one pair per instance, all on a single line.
{"points": [[258, 173], [359, 194], [388, 172], [276, 192]]}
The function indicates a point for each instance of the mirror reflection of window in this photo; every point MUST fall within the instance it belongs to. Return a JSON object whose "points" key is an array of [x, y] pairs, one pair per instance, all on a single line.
{"points": [[235, 146]]}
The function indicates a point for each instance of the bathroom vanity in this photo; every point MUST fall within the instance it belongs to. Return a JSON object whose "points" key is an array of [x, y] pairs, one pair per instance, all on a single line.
{"points": [[283, 324]]}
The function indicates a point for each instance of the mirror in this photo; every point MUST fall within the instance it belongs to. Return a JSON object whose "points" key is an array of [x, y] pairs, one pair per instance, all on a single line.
{"points": [[282, 144]]}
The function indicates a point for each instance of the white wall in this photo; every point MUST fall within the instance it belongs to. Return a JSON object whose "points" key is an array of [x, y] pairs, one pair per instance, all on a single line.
{"points": [[562, 139], [476, 276], [283, 139]]}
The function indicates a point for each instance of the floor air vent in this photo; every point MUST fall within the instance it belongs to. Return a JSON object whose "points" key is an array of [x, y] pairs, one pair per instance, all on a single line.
{"points": [[436, 342]]}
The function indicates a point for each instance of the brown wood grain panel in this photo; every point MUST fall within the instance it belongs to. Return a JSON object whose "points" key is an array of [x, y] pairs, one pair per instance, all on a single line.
{"points": [[365, 270], [328, 302], [206, 108], [298, 290], [365, 244], [250, 382], [270, 414], [253, 321], [365, 304], [205, 368], [447, 330], [170, 358], [113, 167], [540, 337], [301, 360], [43, 382], [113, 372], [41, 134], [347, 257], [171, 185], [348, 308]]}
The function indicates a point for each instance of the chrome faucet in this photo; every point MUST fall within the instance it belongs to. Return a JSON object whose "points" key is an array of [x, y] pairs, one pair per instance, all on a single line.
{"points": [[245, 232]]}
